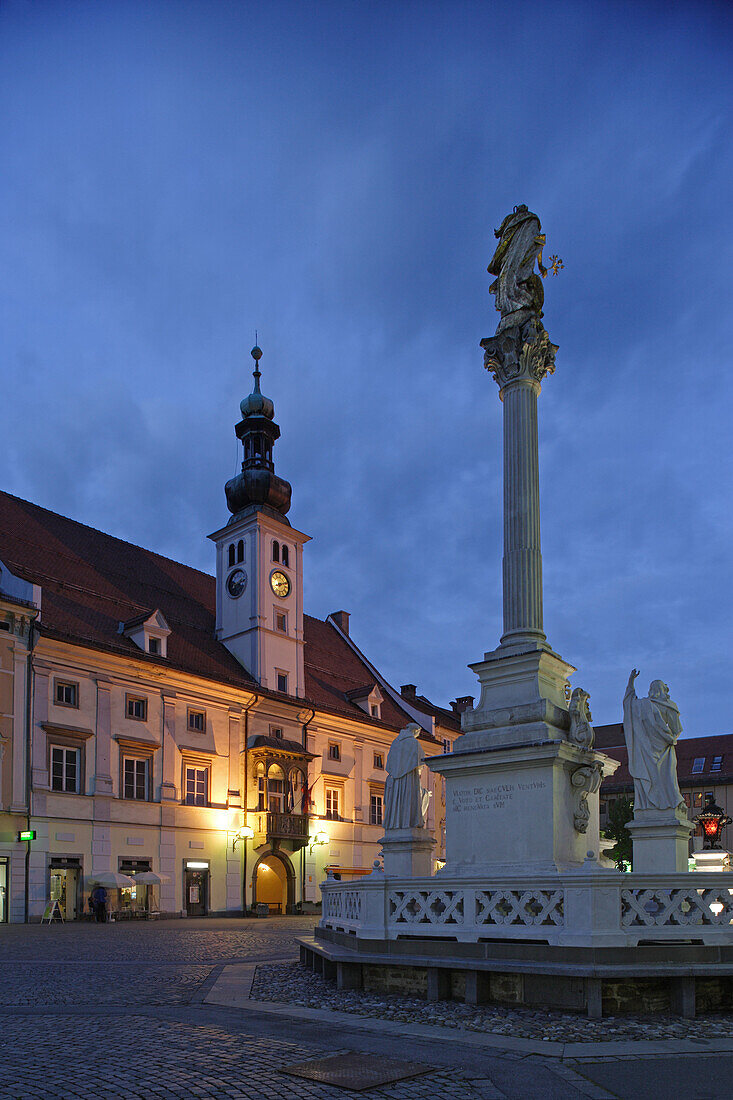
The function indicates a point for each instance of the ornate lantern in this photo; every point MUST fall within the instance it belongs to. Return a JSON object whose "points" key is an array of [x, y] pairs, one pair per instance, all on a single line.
{"points": [[712, 819]]}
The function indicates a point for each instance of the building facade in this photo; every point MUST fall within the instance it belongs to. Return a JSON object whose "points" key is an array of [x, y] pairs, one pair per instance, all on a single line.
{"points": [[202, 732]]}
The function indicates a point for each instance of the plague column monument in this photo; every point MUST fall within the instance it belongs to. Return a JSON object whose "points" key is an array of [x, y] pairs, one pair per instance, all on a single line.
{"points": [[522, 783]]}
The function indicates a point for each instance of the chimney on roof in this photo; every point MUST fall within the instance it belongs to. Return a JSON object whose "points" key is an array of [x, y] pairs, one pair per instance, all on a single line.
{"points": [[463, 702], [341, 618], [408, 691]]}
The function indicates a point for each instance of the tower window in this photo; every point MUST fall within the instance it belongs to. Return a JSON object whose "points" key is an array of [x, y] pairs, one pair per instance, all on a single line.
{"points": [[231, 554], [275, 551], [285, 555], [282, 682], [281, 622], [240, 550]]}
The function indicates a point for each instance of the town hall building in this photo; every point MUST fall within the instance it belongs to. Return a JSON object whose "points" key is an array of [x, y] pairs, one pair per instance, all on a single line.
{"points": [[201, 734]]}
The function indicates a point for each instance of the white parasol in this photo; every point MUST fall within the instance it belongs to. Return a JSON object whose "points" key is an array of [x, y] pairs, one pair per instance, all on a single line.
{"points": [[151, 878], [112, 880]]}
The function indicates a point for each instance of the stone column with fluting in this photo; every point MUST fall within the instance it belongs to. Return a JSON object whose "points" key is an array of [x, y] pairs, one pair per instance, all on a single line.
{"points": [[519, 358]]}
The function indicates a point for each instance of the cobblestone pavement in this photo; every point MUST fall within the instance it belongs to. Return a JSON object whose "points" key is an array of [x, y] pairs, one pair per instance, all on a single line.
{"points": [[291, 983], [119, 1011]]}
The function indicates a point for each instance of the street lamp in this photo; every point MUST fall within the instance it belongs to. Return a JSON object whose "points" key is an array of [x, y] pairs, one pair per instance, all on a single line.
{"points": [[321, 837], [712, 819], [245, 833]]}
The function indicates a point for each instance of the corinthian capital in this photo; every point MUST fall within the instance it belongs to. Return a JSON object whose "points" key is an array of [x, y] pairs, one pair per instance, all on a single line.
{"points": [[520, 353]]}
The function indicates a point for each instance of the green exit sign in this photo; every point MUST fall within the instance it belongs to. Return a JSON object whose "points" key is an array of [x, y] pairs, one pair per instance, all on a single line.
{"points": [[27, 834]]}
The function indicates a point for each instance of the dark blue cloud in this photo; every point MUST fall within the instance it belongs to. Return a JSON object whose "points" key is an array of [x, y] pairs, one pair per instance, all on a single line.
{"points": [[177, 175]]}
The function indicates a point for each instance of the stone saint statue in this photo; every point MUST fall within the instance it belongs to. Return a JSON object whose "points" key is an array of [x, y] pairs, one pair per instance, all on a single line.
{"points": [[518, 289], [651, 729], [405, 800]]}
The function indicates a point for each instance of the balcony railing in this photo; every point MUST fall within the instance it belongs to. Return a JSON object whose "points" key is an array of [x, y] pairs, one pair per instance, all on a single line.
{"points": [[283, 826]]}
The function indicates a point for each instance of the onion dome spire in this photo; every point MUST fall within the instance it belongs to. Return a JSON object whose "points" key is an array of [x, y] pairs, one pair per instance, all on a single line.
{"points": [[258, 485]]}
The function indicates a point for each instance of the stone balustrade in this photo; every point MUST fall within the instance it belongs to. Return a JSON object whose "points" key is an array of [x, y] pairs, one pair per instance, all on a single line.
{"points": [[600, 909]]}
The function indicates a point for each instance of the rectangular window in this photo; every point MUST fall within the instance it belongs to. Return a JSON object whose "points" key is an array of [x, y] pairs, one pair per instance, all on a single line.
{"points": [[374, 707], [197, 720], [260, 792], [698, 765], [332, 803], [687, 800], [154, 646], [276, 731], [378, 760], [275, 795], [281, 622], [697, 800], [64, 769], [135, 779], [375, 809], [67, 694], [282, 682], [717, 764], [334, 750], [710, 794], [197, 782], [446, 745], [137, 708]]}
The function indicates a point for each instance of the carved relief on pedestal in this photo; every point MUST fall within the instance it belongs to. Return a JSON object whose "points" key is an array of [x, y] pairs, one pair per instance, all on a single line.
{"points": [[581, 731], [584, 780]]}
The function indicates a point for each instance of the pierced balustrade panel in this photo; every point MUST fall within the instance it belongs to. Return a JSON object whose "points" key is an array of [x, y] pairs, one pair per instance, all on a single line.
{"points": [[676, 907], [526, 908], [341, 905], [434, 907]]}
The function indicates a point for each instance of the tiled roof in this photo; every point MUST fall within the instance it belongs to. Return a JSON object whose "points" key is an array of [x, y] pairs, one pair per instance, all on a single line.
{"points": [[91, 582], [443, 717], [689, 749]]}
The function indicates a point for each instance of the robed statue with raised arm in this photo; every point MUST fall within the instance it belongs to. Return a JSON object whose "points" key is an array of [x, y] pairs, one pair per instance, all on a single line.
{"points": [[518, 289], [651, 729], [405, 799]]}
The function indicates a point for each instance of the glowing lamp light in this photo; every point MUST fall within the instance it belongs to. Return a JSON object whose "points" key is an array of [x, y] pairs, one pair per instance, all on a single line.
{"points": [[246, 832], [713, 821], [321, 837]]}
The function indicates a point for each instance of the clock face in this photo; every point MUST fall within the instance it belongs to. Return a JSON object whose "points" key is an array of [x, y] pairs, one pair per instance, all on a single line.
{"points": [[236, 583], [280, 584]]}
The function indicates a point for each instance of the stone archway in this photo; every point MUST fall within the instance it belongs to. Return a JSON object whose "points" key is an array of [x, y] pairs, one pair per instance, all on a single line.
{"points": [[273, 881]]}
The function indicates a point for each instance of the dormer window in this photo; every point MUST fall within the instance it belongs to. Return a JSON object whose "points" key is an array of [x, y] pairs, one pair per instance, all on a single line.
{"points": [[368, 698], [149, 632]]}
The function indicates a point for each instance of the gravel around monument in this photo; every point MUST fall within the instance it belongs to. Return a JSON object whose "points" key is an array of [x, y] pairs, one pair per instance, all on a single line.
{"points": [[293, 984]]}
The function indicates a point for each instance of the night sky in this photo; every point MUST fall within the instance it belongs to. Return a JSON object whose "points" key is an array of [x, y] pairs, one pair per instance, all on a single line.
{"points": [[179, 174]]}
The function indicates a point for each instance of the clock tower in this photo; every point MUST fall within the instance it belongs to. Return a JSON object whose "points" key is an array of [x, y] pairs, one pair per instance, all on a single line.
{"points": [[259, 558]]}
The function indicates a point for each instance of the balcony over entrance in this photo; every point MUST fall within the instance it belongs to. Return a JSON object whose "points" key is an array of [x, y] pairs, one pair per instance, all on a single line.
{"points": [[292, 827]]}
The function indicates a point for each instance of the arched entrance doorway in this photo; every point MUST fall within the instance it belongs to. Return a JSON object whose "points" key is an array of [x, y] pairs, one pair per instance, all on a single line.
{"points": [[273, 882]]}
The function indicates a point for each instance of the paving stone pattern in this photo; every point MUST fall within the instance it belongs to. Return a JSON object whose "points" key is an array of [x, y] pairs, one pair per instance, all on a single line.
{"points": [[135, 1057], [291, 983]]}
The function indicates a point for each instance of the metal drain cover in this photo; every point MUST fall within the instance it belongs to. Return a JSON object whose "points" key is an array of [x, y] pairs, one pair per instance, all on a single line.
{"points": [[356, 1071]]}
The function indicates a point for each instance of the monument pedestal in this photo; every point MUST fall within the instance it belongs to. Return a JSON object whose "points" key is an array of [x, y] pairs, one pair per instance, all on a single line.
{"points": [[661, 841], [407, 853], [712, 859]]}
